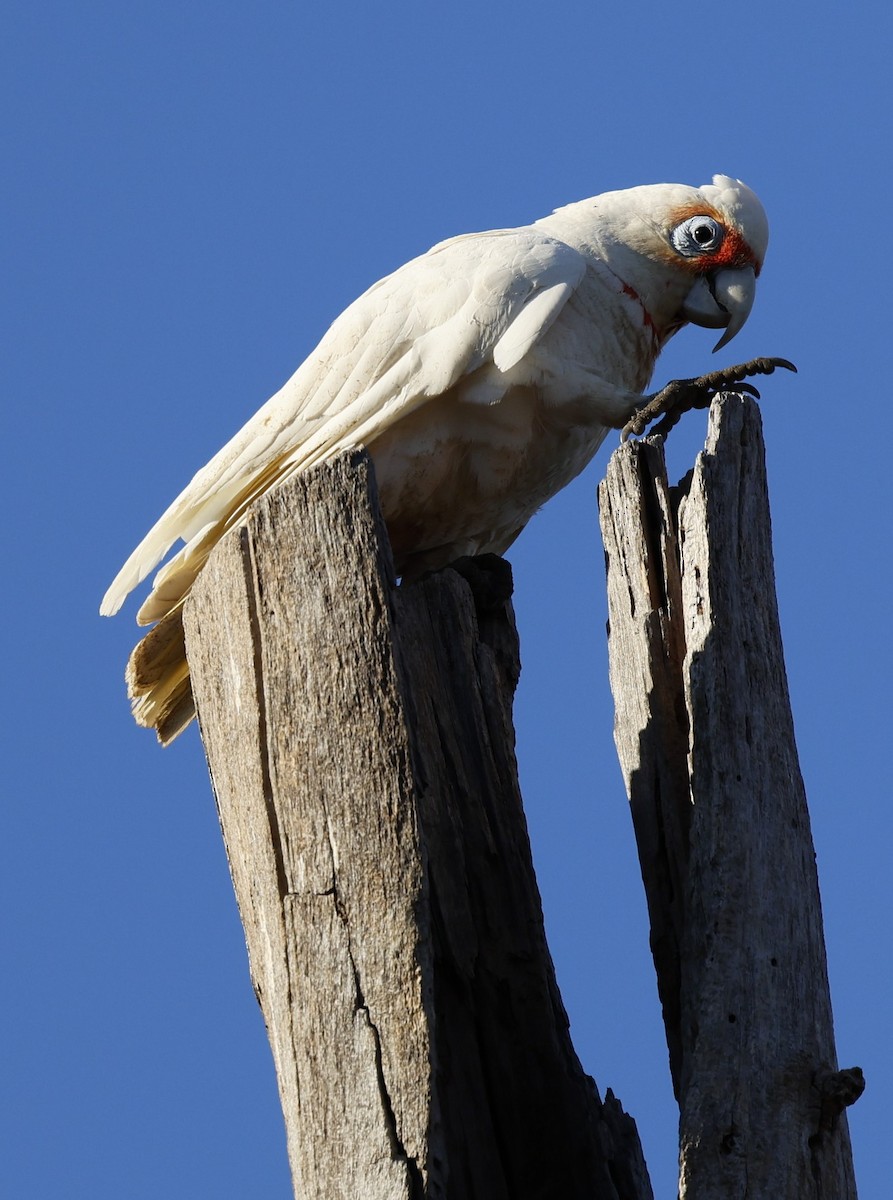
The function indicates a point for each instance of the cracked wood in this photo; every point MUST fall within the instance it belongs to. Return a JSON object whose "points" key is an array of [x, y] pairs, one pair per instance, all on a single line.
{"points": [[361, 749], [705, 737]]}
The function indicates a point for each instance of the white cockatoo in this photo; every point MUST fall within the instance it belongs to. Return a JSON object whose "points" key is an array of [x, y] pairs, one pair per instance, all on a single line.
{"points": [[482, 377]]}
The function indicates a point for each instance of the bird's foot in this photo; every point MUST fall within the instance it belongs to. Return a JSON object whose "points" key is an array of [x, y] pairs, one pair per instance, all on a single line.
{"points": [[681, 395]]}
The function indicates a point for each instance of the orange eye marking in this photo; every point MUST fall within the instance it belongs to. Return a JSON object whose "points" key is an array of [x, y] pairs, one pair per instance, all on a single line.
{"points": [[733, 250]]}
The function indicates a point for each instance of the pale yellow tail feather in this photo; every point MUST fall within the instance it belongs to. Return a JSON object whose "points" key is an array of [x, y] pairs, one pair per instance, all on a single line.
{"points": [[158, 679], [178, 712], [157, 654]]}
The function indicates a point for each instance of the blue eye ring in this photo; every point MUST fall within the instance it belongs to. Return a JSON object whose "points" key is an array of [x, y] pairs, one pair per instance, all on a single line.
{"points": [[697, 235]]}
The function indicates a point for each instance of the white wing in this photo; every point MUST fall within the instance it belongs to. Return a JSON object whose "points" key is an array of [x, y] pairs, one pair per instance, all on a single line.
{"points": [[473, 299]]}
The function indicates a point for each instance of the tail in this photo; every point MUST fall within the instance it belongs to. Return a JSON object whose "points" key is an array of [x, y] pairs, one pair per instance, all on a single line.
{"points": [[158, 680]]}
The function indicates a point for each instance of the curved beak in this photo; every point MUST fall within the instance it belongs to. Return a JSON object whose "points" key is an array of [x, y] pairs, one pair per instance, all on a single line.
{"points": [[723, 300]]}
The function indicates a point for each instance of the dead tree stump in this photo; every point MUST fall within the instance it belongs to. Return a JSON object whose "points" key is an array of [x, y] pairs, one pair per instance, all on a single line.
{"points": [[360, 743], [361, 749], [706, 742]]}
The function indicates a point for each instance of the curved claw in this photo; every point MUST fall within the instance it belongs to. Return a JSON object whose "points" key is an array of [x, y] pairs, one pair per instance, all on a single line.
{"points": [[756, 366], [681, 395]]}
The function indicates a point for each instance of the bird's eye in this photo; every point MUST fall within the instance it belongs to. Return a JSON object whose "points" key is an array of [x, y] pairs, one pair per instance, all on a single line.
{"points": [[697, 235]]}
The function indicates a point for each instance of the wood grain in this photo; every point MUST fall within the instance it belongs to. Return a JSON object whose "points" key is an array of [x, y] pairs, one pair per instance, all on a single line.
{"points": [[706, 741], [360, 742]]}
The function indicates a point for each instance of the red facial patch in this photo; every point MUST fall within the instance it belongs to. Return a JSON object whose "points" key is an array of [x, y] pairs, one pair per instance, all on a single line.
{"points": [[733, 250]]}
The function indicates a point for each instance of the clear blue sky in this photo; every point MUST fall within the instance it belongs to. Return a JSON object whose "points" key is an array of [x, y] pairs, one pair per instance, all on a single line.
{"points": [[192, 192]]}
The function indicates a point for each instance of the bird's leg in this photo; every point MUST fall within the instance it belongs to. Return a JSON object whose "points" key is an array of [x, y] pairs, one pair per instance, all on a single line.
{"points": [[681, 395]]}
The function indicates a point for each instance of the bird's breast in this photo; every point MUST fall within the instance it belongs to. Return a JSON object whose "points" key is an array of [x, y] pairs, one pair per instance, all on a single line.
{"points": [[457, 477], [465, 471]]}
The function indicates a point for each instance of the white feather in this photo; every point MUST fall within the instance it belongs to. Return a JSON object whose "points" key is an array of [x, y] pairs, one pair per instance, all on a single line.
{"points": [[532, 322], [411, 336], [482, 376]]}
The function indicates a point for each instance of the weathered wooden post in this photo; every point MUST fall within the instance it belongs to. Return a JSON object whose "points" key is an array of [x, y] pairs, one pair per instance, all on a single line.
{"points": [[360, 742], [706, 741], [361, 749]]}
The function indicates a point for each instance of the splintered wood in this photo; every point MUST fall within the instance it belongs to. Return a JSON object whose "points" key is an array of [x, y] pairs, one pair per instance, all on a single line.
{"points": [[706, 741]]}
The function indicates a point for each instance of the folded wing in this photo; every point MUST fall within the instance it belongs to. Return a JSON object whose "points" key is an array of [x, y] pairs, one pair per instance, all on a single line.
{"points": [[471, 300]]}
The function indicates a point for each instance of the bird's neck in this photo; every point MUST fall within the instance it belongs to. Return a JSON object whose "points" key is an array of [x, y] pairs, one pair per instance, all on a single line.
{"points": [[602, 235]]}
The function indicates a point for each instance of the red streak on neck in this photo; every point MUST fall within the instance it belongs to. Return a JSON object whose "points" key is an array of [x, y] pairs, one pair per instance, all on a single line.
{"points": [[647, 319]]}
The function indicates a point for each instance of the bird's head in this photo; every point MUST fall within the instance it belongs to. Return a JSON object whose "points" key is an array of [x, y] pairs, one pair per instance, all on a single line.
{"points": [[690, 254], [721, 238]]}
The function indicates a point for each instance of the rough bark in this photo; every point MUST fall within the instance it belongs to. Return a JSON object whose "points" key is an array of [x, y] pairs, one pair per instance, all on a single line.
{"points": [[706, 741], [361, 749]]}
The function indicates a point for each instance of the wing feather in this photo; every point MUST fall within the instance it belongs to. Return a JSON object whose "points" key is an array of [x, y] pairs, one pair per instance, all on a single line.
{"points": [[473, 299]]}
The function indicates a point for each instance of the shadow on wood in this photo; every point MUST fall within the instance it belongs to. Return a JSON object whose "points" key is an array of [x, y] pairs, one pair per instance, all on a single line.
{"points": [[360, 742]]}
